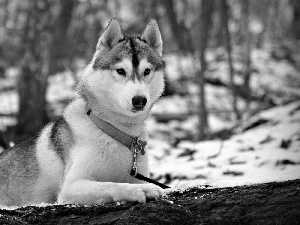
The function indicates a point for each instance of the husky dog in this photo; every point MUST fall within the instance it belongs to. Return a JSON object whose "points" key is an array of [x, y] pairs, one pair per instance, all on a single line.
{"points": [[74, 161]]}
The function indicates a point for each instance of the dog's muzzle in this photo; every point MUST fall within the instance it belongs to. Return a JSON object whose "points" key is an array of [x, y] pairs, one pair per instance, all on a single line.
{"points": [[139, 102]]}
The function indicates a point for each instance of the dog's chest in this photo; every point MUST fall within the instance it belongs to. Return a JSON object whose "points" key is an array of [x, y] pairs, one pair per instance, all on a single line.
{"points": [[107, 160]]}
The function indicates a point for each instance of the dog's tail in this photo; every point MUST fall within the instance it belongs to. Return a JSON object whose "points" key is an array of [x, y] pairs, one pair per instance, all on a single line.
{"points": [[2, 141]]}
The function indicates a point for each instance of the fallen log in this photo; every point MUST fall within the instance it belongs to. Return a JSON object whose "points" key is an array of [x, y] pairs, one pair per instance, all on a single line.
{"points": [[269, 203]]}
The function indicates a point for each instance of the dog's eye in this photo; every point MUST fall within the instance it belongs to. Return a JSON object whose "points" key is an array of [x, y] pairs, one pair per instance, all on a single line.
{"points": [[121, 72], [147, 72]]}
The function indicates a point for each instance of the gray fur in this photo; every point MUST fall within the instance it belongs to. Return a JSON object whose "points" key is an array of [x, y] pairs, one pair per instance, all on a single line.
{"points": [[132, 46], [61, 138], [14, 163]]}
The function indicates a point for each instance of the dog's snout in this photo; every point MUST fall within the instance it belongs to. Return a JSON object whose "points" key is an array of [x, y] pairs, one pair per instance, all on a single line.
{"points": [[139, 102]]}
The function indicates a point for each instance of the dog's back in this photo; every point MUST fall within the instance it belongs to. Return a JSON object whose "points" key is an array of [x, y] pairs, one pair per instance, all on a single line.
{"points": [[32, 171], [18, 173]]}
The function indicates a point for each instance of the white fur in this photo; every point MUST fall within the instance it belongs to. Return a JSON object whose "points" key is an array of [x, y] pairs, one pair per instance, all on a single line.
{"points": [[99, 167], [51, 171], [117, 91], [98, 170]]}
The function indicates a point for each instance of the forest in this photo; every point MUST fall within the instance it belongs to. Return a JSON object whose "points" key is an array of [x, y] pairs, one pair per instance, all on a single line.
{"points": [[231, 105]]}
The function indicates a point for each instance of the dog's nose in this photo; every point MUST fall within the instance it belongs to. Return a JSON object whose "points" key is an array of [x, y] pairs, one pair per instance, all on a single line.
{"points": [[139, 102]]}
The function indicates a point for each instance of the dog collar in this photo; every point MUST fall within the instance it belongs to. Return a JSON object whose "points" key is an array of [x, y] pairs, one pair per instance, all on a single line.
{"points": [[133, 143]]}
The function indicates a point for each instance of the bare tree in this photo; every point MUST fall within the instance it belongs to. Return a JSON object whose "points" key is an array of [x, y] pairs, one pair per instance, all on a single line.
{"points": [[246, 50], [4, 6], [227, 41], [184, 41], [3, 18], [179, 31], [204, 27], [295, 26], [34, 70], [61, 44], [265, 20]]}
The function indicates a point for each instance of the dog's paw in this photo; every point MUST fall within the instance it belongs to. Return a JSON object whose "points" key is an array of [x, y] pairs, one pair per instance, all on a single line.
{"points": [[141, 192]]}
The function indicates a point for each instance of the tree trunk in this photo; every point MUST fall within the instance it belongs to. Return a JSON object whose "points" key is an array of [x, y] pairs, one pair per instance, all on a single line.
{"points": [[295, 27], [180, 33], [204, 28], [3, 143], [271, 203], [154, 10], [4, 17], [32, 82], [246, 50], [227, 42], [60, 47], [262, 36], [219, 24]]}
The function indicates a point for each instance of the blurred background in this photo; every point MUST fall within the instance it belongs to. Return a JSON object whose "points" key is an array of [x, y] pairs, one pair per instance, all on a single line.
{"points": [[231, 104]]}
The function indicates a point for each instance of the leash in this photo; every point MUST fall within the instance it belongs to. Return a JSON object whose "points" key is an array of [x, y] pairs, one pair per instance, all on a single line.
{"points": [[132, 143]]}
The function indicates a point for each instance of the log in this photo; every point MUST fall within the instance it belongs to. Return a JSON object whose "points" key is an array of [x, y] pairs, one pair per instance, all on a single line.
{"points": [[269, 203]]}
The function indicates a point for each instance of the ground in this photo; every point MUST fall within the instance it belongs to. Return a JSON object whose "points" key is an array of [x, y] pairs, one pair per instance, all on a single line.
{"points": [[272, 203]]}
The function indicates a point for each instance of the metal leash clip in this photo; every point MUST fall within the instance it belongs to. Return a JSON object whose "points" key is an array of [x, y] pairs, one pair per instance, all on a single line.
{"points": [[138, 146], [134, 169]]}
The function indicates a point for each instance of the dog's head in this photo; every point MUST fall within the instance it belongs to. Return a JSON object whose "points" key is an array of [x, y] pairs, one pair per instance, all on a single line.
{"points": [[127, 72]]}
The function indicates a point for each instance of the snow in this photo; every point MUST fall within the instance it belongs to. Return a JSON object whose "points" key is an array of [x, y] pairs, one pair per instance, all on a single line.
{"points": [[41, 205], [252, 156], [172, 104]]}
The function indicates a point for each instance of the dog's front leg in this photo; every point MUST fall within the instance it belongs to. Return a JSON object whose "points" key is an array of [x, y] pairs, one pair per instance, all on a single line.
{"points": [[89, 192]]}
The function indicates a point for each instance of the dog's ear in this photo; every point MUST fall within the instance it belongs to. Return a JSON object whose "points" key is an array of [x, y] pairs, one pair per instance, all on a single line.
{"points": [[111, 35], [152, 36]]}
